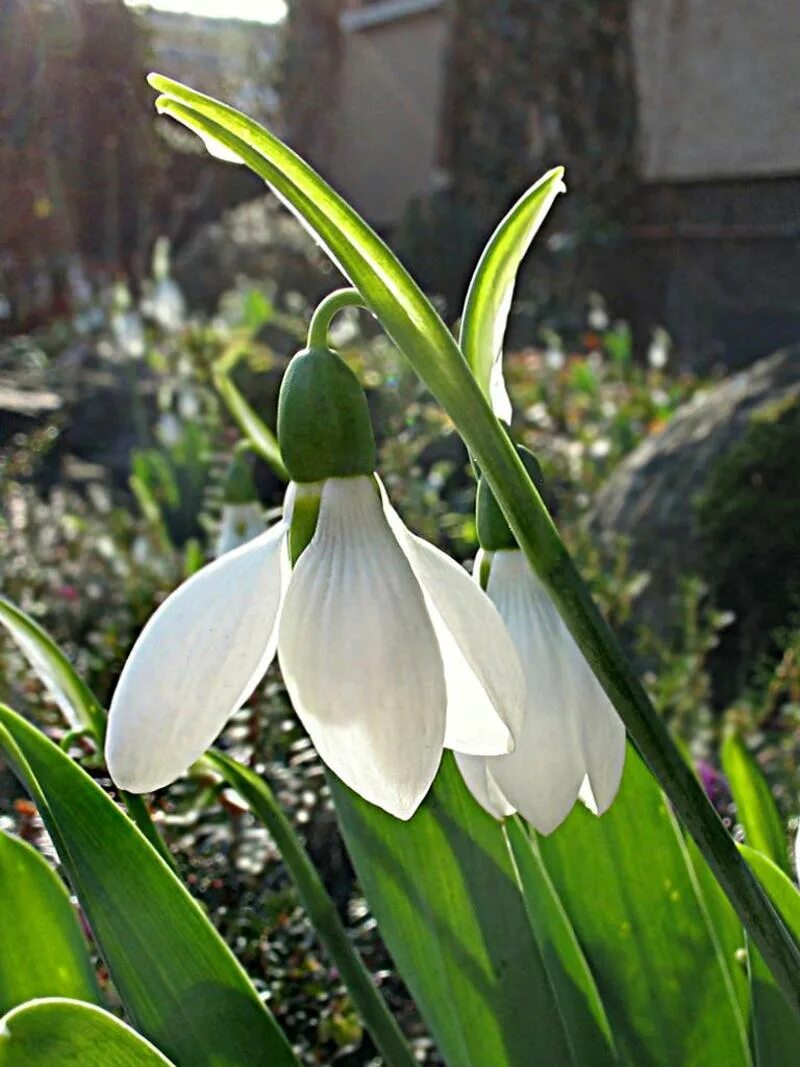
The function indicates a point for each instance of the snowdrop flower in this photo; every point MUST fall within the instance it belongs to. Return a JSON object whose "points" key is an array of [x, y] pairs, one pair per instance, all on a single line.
{"points": [[572, 742], [388, 649], [128, 330], [658, 352], [242, 516]]}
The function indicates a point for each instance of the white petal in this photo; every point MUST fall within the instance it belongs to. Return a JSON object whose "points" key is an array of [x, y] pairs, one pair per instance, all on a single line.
{"points": [[480, 782], [359, 655], [603, 741], [485, 682], [194, 664], [542, 776]]}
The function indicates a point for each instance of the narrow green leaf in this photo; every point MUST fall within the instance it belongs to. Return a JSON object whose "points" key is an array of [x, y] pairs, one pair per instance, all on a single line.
{"points": [[78, 703], [65, 1033], [180, 984], [580, 1007], [625, 883], [776, 1030], [755, 805], [411, 321], [73, 696], [445, 895], [488, 302], [42, 948], [379, 1020], [251, 425]]}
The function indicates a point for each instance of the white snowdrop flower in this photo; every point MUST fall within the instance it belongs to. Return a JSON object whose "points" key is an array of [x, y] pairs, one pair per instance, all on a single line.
{"points": [[165, 305], [388, 649], [242, 515], [572, 742], [128, 330], [240, 524], [658, 352]]}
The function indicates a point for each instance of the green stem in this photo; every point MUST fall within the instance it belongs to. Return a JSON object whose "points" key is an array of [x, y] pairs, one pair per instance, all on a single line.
{"points": [[140, 814], [325, 312], [321, 910], [254, 428]]}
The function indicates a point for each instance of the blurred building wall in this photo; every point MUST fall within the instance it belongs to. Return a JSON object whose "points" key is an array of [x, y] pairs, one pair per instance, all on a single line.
{"points": [[679, 121], [389, 106], [719, 88]]}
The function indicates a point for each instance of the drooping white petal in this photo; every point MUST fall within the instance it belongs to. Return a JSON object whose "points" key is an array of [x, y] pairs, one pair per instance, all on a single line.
{"points": [[603, 740], [480, 782], [485, 682], [359, 655], [194, 664], [542, 777]]}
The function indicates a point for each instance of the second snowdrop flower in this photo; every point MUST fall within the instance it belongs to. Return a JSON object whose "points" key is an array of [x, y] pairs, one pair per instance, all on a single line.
{"points": [[388, 649], [572, 742]]}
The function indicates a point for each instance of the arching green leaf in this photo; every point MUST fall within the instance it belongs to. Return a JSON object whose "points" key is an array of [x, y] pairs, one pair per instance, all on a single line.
{"points": [[65, 1033], [43, 951], [180, 984]]}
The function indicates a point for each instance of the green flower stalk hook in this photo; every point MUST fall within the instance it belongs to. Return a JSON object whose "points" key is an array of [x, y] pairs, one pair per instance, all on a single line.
{"points": [[389, 650]]}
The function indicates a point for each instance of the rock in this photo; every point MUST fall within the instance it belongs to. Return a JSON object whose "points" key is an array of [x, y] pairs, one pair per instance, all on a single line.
{"points": [[651, 498]]}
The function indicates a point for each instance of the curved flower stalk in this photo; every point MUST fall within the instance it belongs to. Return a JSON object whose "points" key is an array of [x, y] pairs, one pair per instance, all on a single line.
{"points": [[572, 741], [389, 651]]}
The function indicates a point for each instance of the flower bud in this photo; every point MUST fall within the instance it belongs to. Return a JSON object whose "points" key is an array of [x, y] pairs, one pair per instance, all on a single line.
{"points": [[324, 428], [494, 533]]}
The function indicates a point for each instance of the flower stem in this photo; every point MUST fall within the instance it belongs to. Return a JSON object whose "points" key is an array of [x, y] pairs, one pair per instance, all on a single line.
{"points": [[321, 910], [325, 312], [137, 809]]}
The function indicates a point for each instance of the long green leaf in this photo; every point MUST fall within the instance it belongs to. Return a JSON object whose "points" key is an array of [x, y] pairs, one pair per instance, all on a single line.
{"points": [[626, 884], [57, 1032], [585, 1022], [411, 321], [445, 895], [488, 302], [776, 1031], [180, 984], [43, 951], [379, 1020], [78, 703], [71, 693], [755, 805]]}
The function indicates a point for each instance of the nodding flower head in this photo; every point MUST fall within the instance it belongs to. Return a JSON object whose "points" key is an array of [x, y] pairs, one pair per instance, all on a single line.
{"points": [[572, 741], [388, 650]]}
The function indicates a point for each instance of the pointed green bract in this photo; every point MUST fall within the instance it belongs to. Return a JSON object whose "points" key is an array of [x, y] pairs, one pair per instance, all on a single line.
{"points": [[66, 1033], [444, 892], [776, 1031], [180, 984], [488, 302], [43, 951], [755, 804], [625, 881]]}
